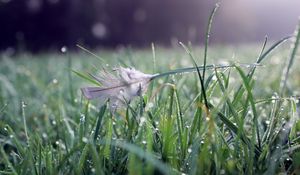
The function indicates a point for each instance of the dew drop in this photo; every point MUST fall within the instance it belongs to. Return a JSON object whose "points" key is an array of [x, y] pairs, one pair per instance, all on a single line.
{"points": [[63, 49], [82, 118], [150, 105], [44, 135], [144, 142], [214, 78], [84, 140], [93, 170], [267, 122], [24, 104], [54, 81], [142, 120], [189, 150]]}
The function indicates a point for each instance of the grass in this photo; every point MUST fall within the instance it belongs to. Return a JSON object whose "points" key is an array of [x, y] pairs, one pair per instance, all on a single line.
{"points": [[239, 120], [47, 127]]}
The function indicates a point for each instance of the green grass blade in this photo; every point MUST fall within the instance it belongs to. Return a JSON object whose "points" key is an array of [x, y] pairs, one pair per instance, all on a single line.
{"points": [[252, 102], [86, 77], [291, 60], [207, 36], [199, 74], [99, 121]]}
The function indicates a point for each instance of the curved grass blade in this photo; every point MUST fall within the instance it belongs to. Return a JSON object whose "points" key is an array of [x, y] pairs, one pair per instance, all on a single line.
{"points": [[199, 74]]}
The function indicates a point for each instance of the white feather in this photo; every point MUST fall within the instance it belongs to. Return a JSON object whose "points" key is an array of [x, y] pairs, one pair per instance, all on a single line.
{"points": [[119, 88]]}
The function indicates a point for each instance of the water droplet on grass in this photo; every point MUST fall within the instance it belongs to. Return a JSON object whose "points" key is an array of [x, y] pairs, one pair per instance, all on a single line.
{"points": [[54, 81], [24, 104], [142, 120], [144, 142], [63, 49], [267, 122], [189, 150], [44, 135], [84, 139], [82, 118]]}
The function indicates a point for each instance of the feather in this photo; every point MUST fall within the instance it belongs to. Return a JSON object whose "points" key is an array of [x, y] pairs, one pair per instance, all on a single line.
{"points": [[119, 88]]}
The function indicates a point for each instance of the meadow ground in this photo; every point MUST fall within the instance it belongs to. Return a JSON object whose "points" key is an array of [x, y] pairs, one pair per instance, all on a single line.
{"points": [[247, 126]]}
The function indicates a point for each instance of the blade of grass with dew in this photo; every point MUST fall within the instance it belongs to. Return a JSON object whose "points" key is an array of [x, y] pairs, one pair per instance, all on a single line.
{"points": [[108, 139], [179, 121], [207, 36], [82, 159], [199, 74], [252, 102], [291, 60], [96, 159], [99, 121]]}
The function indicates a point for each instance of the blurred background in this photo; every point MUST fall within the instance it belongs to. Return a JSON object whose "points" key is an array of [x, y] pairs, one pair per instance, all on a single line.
{"points": [[45, 25]]}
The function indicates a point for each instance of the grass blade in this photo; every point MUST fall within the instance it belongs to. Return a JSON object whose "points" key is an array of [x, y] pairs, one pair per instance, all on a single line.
{"points": [[207, 36], [291, 60]]}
